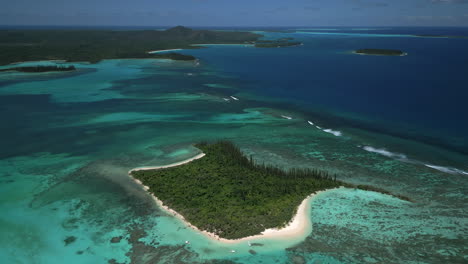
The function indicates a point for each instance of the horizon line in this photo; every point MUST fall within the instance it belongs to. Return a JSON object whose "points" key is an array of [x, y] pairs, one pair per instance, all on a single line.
{"points": [[244, 26]]}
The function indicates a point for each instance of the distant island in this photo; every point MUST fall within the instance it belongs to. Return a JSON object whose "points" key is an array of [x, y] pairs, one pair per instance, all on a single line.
{"points": [[96, 45], [40, 68], [279, 43], [439, 36], [384, 52], [231, 196]]}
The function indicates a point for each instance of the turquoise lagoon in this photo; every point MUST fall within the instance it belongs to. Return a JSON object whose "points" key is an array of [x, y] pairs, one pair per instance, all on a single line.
{"points": [[69, 140]]}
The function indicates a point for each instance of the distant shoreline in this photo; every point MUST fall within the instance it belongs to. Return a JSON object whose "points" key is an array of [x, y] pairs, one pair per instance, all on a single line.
{"points": [[40, 69], [378, 54], [228, 44], [299, 226], [107, 44]]}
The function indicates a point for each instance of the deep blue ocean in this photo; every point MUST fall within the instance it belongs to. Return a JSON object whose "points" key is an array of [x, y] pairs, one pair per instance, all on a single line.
{"points": [[400, 123], [422, 95]]}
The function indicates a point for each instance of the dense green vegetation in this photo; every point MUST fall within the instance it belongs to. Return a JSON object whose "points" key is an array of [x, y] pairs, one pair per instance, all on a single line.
{"points": [[386, 52], [40, 68], [229, 194], [174, 56], [96, 45]]}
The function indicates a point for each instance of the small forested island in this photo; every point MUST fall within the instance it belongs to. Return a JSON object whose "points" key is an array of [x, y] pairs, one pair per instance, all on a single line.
{"points": [[283, 42], [385, 52], [232, 196], [95, 45], [41, 68]]}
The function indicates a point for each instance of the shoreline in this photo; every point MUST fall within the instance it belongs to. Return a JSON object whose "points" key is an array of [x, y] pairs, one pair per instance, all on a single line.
{"points": [[300, 225], [160, 51], [201, 155], [59, 61]]}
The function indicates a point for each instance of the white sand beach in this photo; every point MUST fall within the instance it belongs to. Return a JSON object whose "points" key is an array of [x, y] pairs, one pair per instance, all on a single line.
{"points": [[201, 155], [160, 51]]}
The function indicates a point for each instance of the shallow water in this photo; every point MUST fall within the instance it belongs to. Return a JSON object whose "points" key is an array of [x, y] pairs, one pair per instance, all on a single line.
{"points": [[68, 141]]}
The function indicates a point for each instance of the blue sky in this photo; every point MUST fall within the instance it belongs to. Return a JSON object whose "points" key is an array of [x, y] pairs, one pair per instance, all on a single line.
{"points": [[236, 12]]}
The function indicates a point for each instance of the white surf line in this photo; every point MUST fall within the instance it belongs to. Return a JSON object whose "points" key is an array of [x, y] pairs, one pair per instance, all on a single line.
{"points": [[286, 117], [226, 99], [446, 169], [234, 98], [336, 133], [385, 153], [404, 158]]}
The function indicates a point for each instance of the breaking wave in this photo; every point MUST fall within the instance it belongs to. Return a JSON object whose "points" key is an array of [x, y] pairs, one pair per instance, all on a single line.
{"points": [[402, 157], [446, 169], [327, 130], [334, 132], [386, 153]]}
